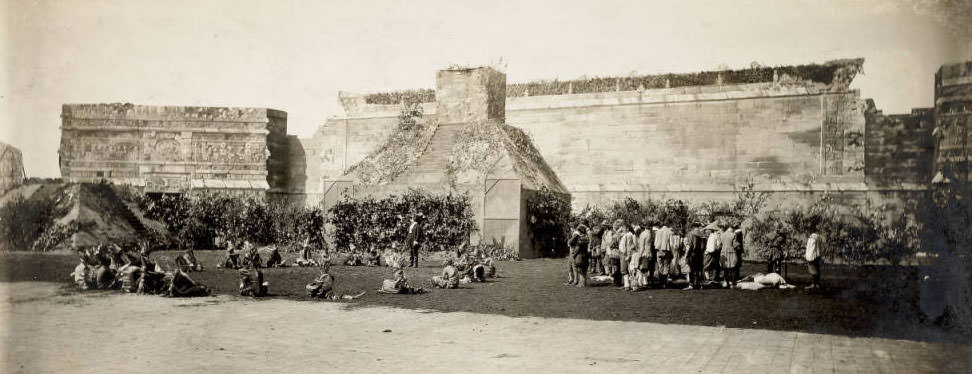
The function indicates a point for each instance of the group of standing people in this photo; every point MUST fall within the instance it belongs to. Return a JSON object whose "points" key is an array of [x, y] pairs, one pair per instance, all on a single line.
{"points": [[639, 257], [635, 257]]}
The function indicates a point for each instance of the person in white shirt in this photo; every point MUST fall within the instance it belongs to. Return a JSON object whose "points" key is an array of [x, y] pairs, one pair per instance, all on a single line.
{"points": [[813, 259], [711, 257]]}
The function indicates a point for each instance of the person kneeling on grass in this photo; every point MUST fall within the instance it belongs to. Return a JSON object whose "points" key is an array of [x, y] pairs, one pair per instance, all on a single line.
{"points": [[399, 285], [449, 278]]}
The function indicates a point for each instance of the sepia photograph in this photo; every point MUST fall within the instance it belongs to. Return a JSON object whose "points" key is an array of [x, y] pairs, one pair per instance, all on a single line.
{"points": [[540, 186]]}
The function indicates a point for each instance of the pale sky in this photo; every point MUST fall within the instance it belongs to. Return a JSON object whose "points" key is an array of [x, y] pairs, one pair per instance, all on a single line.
{"points": [[296, 55]]}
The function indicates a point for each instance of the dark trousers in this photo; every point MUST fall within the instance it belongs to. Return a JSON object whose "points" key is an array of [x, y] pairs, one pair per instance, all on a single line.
{"points": [[695, 277], [814, 270], [413, 257], [732, 275]]}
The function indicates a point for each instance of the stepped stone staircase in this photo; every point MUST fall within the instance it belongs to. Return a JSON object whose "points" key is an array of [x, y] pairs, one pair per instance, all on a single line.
{"points": [[431, 166], [125, 212]]}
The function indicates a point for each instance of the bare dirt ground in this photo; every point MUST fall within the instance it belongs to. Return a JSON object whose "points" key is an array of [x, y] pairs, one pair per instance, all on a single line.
{"points": [[47, 328]]}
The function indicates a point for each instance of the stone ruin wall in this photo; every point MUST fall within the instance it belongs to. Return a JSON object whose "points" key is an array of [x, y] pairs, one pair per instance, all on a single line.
{"points": [[953, 120], [173, 149], [11, 167], [694, 143]]}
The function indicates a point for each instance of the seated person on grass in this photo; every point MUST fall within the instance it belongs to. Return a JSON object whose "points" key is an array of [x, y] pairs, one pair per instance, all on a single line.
{"points": [[305, 258], [82, 274], [449, 278], [371, 258], [251, 256], [275, 260], [323, 287], [180, 285], [399, 285], [252, 283], [187, 261], [232, 258]]}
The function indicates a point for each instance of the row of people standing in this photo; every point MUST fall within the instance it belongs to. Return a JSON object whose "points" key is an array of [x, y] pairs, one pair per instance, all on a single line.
{"points": [[638, 257]]}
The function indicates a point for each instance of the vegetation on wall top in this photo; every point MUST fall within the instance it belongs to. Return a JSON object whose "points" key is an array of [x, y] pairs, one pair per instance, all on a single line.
{"points": [[836, 74]]}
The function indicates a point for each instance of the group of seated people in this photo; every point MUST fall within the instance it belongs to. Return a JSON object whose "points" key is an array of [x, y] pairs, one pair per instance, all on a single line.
{"points": [[131, 270], [125, 268], [470, 266]]}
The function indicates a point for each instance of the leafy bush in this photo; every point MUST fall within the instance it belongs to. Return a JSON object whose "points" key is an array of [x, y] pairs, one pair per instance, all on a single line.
{"points": [[198, 220], [549, 218], [23, 221], [398, 97], [57, 234], [381, 222]]}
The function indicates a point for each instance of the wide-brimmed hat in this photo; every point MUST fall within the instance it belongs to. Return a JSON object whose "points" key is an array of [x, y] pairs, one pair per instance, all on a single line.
{"points": [[712, 226]]}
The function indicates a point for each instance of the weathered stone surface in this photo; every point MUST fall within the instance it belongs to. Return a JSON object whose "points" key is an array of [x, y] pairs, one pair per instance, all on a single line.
{"points": [[11, 167], [953, 117], [175, 149]]}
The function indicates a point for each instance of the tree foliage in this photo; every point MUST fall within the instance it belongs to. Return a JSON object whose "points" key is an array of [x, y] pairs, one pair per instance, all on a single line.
{"points": [[367, 222]]}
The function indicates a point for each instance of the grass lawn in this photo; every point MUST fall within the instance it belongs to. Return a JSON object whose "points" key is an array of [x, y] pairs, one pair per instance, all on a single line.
{"points": [[848, 306]]}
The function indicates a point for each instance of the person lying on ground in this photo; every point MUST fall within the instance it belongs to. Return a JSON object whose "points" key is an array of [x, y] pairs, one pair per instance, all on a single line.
{"points": [[449, 278], [323, 287], [600, 280], [180, 285], [399, 285], [759, 281], [275, 260], [252, 283]]}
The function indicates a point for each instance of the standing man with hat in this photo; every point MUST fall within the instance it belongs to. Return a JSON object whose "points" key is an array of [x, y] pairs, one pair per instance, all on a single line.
{"points": [[412, 239]]}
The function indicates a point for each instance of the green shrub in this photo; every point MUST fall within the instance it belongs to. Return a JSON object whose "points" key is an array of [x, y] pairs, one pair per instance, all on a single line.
{"points": [[381, 222], [549, 214], [23, 221]]}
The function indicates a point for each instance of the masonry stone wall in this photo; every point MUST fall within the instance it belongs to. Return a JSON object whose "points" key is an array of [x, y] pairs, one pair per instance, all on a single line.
{"points": [[11, 167], [953, 120], [175, 149], [696, 143]]}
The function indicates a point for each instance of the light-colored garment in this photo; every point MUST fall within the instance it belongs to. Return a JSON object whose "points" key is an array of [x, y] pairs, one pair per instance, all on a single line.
{"points": [[712, 244], [663, 239], [644, 242], [448, 279], [606, 241], [628, 244], [813, 248]]}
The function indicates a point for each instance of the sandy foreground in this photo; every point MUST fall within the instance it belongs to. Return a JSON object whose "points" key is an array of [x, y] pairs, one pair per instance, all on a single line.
{"points": [[46, 330]]}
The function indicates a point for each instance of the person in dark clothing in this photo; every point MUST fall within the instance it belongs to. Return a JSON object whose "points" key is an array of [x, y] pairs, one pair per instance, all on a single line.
{"points": [[413, 239], [774, 262], [594, 247], [695, 247], [578, 258]]}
